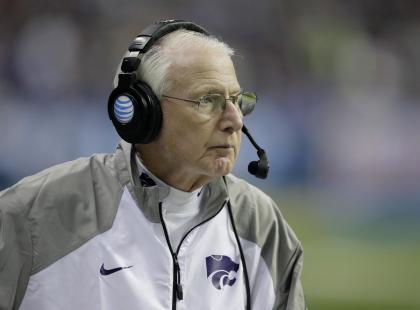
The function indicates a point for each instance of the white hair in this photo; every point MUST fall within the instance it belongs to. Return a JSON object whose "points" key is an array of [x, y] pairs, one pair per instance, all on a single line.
{"points": [[155, 65]]}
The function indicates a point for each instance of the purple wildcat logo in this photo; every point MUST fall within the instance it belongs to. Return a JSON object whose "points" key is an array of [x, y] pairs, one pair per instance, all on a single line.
{"points": [[221, 270]]}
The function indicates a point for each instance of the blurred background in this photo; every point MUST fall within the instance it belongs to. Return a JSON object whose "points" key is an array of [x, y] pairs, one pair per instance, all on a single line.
{"points": [[339, 115]]}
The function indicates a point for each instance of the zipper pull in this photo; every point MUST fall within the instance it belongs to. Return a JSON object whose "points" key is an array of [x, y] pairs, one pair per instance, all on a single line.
{"points": [[179, 291]]}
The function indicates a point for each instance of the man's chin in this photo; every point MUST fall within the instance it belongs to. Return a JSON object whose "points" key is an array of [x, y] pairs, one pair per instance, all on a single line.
{"points": [[223, 166]]}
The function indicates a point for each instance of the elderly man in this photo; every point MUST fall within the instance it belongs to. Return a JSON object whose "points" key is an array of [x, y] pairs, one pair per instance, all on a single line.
{"points": [[161, 223]]}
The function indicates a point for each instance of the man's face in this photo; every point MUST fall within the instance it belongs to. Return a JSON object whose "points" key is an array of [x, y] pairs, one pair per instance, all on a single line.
{"points": [[198, 144]]}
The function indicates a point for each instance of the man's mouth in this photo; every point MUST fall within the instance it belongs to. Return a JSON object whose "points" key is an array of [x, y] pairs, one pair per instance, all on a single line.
{"points": [[222, 146]]}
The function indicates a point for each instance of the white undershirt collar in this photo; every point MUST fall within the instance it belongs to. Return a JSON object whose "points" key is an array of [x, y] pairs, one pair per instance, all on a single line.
{"points": [[175, 197]]}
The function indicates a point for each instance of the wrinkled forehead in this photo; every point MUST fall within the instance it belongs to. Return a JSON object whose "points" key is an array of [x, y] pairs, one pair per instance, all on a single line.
{"points": [[200, 70]]}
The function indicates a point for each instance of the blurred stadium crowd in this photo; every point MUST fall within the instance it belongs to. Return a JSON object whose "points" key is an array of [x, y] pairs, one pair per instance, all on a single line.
{"points": [[337, 80]]}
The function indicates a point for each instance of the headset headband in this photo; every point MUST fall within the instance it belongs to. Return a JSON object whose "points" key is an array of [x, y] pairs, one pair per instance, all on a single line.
{"points": [[154, 32], [145, 40]]}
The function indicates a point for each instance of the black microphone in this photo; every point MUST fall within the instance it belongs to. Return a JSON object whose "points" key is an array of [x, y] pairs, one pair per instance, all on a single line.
{"points": [[261, 167]]}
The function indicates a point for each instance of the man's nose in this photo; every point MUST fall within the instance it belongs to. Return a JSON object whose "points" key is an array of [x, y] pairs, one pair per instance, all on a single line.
{"points": [[231, 119]]}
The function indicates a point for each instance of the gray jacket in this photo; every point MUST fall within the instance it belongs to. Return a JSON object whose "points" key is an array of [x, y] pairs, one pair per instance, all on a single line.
{"points": [[87, 235]]}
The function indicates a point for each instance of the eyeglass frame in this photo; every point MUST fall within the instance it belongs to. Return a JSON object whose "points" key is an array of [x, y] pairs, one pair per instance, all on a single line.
{"points": [[236, 98]]}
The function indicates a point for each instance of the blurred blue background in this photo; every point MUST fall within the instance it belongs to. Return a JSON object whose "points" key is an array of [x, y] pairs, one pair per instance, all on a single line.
{"points": [[339, 115]]}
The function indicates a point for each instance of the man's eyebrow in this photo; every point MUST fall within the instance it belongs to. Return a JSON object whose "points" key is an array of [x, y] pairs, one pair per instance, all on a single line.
{"points": [[206, 90], [212, 90], [237, 92]]}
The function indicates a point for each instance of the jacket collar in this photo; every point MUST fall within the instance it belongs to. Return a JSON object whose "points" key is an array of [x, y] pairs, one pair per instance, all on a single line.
{"points": [[148, 197]]}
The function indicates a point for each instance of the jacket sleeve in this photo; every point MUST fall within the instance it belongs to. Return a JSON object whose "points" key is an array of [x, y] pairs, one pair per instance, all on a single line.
{"points": [[260, 221], [294, 298], [15, 250], [283, 254]]}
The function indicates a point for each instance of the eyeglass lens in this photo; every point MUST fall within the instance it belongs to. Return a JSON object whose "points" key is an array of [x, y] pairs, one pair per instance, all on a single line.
{"points": [[245, 102]]}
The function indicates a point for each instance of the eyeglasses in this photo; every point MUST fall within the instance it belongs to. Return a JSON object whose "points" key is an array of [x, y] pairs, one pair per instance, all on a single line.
{"points": [[210, 104]]}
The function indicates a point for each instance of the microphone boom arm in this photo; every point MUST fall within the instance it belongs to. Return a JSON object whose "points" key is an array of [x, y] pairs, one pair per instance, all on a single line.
{"points": [[261, 167]]}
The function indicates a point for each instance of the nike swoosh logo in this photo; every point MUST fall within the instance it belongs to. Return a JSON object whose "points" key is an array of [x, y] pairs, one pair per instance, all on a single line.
{"points": [[106, 272]]}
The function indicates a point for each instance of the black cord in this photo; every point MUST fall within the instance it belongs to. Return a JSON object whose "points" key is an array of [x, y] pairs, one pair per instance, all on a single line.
{"points": [[177, 287], [247, 286]]}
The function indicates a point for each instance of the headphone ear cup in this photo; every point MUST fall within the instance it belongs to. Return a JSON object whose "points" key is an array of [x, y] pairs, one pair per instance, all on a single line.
{"points": [[136, 113], [153, 118]]}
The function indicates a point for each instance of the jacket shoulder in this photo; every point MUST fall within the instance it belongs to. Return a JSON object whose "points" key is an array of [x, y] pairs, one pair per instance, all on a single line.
{"points": [[242, 190], [259, 219], [64, 205], [55, 180], [251, 203]]}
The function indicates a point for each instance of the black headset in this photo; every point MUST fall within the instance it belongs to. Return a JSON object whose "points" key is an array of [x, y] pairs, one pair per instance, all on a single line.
{"points": [[134, 108]]}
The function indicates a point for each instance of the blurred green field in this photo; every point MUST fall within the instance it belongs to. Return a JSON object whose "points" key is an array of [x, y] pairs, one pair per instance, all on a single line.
{"points": [[360, 268]]}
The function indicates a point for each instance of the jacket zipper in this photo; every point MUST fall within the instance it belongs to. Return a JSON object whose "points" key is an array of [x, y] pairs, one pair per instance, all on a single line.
{"points": [[177, 291]]}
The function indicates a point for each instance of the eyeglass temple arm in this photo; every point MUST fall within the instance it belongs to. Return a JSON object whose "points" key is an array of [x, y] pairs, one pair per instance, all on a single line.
{"points": [[188, 100]]}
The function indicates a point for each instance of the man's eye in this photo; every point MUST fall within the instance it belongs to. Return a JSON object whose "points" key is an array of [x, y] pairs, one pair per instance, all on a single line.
{"points": [[207, 99], [213, 98]]}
